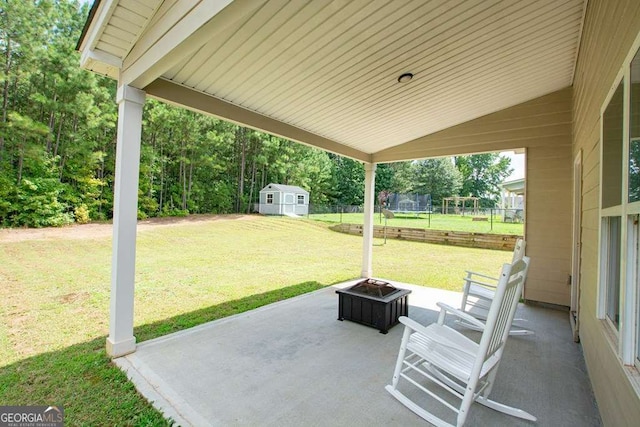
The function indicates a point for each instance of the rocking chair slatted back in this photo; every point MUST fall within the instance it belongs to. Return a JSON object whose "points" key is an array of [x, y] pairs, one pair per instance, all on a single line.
{"points": [[518, 250], [501, 315]]}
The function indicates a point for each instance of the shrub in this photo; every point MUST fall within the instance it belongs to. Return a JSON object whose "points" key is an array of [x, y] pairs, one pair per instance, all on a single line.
{"points": [[81, 214], [40, 207]]}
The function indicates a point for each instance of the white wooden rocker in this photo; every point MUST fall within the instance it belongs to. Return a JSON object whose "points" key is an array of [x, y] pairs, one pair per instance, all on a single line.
{"points": [[479, 289], [443, 358]]}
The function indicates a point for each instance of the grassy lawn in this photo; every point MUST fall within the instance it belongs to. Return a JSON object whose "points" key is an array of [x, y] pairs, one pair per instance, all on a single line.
{"points": [[438, 222], [55, 292]]}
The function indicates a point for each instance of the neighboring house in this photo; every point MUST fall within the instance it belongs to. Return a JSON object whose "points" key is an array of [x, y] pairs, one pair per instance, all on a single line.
{"points": [[278, 199], [512, 200], [512, 194], [559, 80]]}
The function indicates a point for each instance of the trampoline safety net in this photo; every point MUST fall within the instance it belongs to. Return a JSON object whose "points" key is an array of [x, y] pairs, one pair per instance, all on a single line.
{"points": [[409, 203]]}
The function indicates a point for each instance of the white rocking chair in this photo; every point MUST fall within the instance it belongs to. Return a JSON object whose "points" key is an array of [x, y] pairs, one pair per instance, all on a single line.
{"points": [[455, 363], [479, 289]]}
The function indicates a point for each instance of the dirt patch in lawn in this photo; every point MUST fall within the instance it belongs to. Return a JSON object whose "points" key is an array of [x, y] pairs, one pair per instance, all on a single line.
{"points": [[102, 230], [73, 297]]}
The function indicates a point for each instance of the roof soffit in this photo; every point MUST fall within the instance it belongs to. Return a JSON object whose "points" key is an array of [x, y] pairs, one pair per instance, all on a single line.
{"points": [[329, 68]]}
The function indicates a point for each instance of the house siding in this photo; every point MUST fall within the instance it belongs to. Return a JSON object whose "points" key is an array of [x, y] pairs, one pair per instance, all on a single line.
{"points": [[609, 31], [543, 127]]}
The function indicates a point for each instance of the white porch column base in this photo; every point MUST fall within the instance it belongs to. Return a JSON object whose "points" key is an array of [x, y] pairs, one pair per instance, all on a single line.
{"points": [[117, 349], [125, 217], [367, 228]]}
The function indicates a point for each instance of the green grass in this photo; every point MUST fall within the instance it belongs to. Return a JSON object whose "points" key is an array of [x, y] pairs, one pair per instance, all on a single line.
{"points": [[55, 292], [437, 222]]}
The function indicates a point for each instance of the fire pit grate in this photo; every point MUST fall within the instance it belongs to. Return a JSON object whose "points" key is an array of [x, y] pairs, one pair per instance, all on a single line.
{"points": [[373, 287], [373, 303]]}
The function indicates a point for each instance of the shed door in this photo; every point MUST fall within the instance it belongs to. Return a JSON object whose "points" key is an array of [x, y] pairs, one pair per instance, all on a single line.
{"points": [[289, 203]]}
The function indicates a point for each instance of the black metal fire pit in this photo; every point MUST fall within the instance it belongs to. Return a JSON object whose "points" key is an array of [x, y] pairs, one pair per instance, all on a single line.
{"points": [[373, 303]]}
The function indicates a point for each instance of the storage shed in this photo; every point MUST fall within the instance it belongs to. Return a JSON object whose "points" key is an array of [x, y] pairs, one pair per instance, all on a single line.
{"points": [[278, 199]]}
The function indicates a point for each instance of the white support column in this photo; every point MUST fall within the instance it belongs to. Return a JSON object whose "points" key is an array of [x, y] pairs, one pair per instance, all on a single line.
{"points": [[367, 228], [125, 215]]}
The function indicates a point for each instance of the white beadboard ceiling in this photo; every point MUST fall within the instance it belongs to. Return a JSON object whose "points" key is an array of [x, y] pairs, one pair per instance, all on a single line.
{"points": [[331, 67]]}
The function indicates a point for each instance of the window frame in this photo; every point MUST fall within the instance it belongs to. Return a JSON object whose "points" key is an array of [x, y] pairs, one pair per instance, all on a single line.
{"points": [[266, 201], [605, 214], [625, 339], [298, 199], [633, 274]]}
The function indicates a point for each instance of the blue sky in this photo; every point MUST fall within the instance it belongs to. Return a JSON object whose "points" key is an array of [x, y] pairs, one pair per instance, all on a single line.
{"points": [[517, 163]]}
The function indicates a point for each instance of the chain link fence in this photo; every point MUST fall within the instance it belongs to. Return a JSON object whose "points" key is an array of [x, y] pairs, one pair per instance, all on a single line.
{"points": [[491, 216]]}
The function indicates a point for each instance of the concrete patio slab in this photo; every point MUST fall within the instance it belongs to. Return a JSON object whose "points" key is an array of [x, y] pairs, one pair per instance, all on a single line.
{"points": [[292, 363]]}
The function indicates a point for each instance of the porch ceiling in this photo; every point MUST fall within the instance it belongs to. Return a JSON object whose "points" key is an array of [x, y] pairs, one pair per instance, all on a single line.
{"points": [[325, 72]]}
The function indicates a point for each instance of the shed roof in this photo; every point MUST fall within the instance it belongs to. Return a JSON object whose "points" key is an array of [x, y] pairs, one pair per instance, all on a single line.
{"points": [[285, 188]]}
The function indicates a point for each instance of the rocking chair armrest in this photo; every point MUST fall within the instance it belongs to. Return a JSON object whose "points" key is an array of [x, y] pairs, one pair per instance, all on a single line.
{"points": [[478, 282], [412, 324], [444, 309], [426, 333], [473, 273]]}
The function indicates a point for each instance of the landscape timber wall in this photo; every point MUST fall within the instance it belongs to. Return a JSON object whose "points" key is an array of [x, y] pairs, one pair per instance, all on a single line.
{"points": [[505, 242]]}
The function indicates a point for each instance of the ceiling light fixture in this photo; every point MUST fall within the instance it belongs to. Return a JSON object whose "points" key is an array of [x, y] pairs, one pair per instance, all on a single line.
{"points": [[406, 77]]}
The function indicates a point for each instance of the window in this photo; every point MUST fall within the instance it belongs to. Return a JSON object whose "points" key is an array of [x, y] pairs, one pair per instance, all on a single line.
{"points": [[619, 287], [634, 131], [269, 198], [634, 170], [612, 143], [612, 269], [633, 205], [635, 270], [612, 137], [301, 199]]}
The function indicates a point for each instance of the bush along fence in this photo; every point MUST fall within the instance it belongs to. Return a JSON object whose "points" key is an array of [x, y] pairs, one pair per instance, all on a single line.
{"points": [[504, 242]]}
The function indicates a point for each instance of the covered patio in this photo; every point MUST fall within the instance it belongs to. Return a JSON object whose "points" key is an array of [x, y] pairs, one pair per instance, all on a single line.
{"points": [[385, 81], [293, 363], [375, 81]]}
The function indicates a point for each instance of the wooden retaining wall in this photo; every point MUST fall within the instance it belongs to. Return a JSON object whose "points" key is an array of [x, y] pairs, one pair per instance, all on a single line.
{"points": [[504, 242]]}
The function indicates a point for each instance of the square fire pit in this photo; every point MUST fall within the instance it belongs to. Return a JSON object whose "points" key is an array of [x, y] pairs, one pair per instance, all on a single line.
{"points": [[373, 303]]}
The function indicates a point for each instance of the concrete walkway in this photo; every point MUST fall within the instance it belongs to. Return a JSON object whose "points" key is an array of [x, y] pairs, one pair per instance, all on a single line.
{"points": [[293, 364]]}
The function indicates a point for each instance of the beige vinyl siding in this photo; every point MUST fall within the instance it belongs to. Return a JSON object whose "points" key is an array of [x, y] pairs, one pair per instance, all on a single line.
{"points": [[548, 223], [543, 127], [543, 121], [610, 28]]}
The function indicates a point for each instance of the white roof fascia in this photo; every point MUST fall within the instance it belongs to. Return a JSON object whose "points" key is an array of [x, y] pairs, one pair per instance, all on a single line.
{"points": [[185, 36], [100, 56], [98, 24]]}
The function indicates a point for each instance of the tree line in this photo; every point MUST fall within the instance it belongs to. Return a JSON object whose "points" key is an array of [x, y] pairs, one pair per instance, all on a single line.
{"points": [[58, 140]]}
